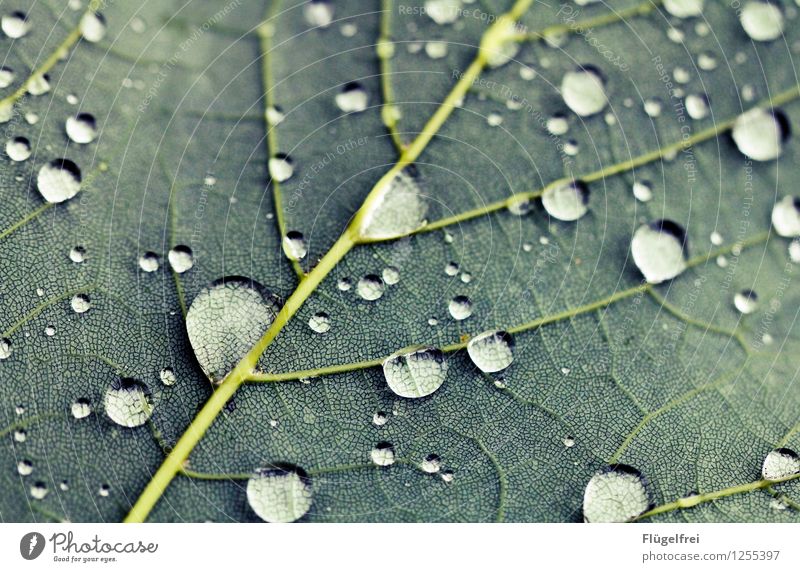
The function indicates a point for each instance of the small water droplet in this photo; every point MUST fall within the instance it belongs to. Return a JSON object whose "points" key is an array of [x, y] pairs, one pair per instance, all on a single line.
{"points": [[779, 464], [50, 331], [81, 408], [519, 206], [707, 61], [80, 303], [431, 464], [370, 287], [786, 217], [615, 494], [382, 454], [320, 322], [759, 134], [93, 27], [18, 149], [569, 442], [149, 262], [82, 128], [20, 435], [77, 254], [436, 50], [15, 25], [353, 98], [557, 124], [415, 373], [225, 320], [24, 468], [794, 251], [104, 490], [5, 348], [281, 167], [762, 21], [168, 376], [716, 238], [567, 202], [659, 250], [180, 259], [128, 402], [491, 351], [391, 275], [503, 46], [447, 476], [275, 115], [281, 493], [6, 77], [348, 29], [460, 308], [380, 418], [38, 84], [746, 301], [643, 191], [653, 106], [294, 245], [39, 490], [684, 8], [443, 11], [583, 91], [451, 268], [344, 284], [59, 180], [697, 106]]}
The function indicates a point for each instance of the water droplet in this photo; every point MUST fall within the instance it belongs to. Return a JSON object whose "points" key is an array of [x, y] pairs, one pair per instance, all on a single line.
{"points": [[80, 303], [281, 493], [24, 468], [779, 464], [77, 254], [415, 373], [491, 351], [82, 128], [659, 250], [451, 268], [460, 308], [786, 217], [519, 206], [569, 442], [379, 419], [39, 490], [352, 99], [93, 27], [397, 209], [697, 106], [180, 259], [643, 191], [18, 149], [447, 476], [557, 124], [348, 29], [583, 91], [318, 13], [527, 73], [50, 331], [128, 402], [707, 61], [716, 238], [370, 287], [104, 490], [615, 494], [443, 11], [59, 180], [759, 134], [294, 245], [794, 251], [431, 464], [281, 167], [320, 322], [344, 284], [567, 201], [275, 115], [684, 8], [746, 301], [436, 50], [502, 46], [149, 262], [20, 435], [6, 77], [762, 21], [15, 25], [39, 84], [382, 454], [5, 348], [225, 320], [81, 408], [168, 376], [653, 106]]}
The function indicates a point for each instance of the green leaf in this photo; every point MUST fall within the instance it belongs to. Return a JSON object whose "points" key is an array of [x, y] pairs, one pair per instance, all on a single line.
{"points": [[670, 378]]}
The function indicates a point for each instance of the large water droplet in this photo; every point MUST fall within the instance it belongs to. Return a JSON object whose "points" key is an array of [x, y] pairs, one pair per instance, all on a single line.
{"points": [[659, 250], [615, 494], [397, 209], [18, 149], [15, 25], [566, 202], [460, 307], [82, 128], [225, 320], [684, 8], [759, 133], [786, 217], [318, 13], [762, 21], [746, 301], [281, 493], [353, 98], [780, 464], [370, 287], [280, 167], [93, 27], [415, 373], [128, 402], [294, 245], [180, 259], [491, 351], [382, 454], [583, 91], [59, 180], [320, 322]]}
